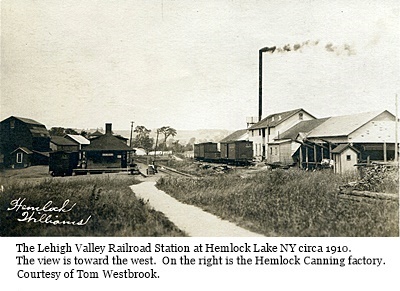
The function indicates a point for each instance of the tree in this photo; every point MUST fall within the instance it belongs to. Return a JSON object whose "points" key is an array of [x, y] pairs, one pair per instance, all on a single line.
{"points": [[61, 131], [143, 139], [167, 131]]}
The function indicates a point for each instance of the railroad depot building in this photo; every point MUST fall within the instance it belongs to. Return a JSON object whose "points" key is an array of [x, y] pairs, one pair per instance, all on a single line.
{"points": [[24, 142], [106, 151]]}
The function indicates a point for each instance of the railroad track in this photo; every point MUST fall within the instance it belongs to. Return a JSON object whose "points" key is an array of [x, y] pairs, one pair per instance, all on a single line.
{"points": [[173, 172]]}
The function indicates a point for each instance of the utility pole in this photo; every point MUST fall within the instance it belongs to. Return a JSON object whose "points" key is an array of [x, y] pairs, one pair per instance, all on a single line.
{"points": [[396, 142], [130, 140]]}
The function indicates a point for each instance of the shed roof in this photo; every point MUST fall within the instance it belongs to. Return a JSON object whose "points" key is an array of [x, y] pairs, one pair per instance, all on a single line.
{"points": [[79, 139], [62, 141], [340, 148], [276, 119], [344, 125], [237, 135], [302, 127], [107, 142]]}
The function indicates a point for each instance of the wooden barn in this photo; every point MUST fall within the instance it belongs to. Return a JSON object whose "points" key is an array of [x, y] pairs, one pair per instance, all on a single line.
{"points": [[18, 132], [106, 151]]}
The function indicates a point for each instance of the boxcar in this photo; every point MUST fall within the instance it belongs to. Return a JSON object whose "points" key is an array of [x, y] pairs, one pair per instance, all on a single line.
{"points": [[207, 151], [237, 152], [62, 163]]}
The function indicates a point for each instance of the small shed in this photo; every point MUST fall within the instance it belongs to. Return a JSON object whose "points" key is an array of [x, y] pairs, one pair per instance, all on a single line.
{"points": [[21, 158], [345, 157]]}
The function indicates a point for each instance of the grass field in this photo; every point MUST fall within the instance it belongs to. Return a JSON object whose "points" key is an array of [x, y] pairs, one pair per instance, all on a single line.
{"points": [[288, 203], [107, 199]]}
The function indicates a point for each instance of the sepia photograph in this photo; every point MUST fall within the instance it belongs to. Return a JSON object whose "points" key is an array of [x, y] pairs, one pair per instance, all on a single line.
{"points": [[225, 118]]}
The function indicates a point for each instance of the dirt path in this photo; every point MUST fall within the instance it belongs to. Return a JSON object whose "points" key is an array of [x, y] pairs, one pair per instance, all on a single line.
{"points": [[193, 220]]}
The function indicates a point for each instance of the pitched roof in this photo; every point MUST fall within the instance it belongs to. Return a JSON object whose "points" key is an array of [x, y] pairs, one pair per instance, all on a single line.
{"points": [[24, 149], [343, 125], [62, 141], [304, 126], [237, 135], [107, 142], [28, 120], [275, 119], [78, 138], [340, 148]]}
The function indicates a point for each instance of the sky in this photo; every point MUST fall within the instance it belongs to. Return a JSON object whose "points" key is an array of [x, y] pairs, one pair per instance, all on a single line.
{"points": [[194, 64]]}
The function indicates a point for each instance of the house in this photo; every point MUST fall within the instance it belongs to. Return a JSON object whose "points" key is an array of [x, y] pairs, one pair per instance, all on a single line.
{"points": [[18, 132], [262, 133], [21, 158], [345, 157], [371, 133], [106, 151], [60, 143]]}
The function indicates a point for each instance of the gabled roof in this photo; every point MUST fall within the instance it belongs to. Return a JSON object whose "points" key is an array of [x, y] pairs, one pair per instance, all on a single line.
{"points": [[302, 127], [78, 138], [235, 136], [276, 118], [24, 149], [107, 142], [344, 125], [27, 120], [340, 148], [62, 141]]}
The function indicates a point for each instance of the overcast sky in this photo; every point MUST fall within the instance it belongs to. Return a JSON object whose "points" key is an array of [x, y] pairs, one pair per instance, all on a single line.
{"points": [[194, 64]]}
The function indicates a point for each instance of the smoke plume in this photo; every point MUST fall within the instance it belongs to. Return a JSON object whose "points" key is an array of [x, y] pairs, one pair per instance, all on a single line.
{"points": [[329, 47]]}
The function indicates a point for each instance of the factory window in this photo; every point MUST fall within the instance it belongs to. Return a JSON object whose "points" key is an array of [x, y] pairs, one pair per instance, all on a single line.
{"points": [[272, 118], [259, 132], [19, 158], [348, 158], [300, 116], [280, 117], [12, 124], [252, 133], [270, 150], [276, 150]]}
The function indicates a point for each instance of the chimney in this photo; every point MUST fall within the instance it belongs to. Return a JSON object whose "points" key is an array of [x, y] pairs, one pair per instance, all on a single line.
{"points": [[108, 128]]}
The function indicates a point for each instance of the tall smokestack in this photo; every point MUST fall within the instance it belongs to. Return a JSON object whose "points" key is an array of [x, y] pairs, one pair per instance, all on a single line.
{"points": [[260, 64], [108, 128]]}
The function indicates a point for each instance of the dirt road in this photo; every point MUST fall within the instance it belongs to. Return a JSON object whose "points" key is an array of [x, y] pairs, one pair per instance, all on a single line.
{"points": [[193, 220]]}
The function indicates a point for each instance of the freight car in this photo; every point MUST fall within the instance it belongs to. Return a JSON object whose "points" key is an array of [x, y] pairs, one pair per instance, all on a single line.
{"points": [[207, 151], [62, 163], [238, 152], [233, 152]]}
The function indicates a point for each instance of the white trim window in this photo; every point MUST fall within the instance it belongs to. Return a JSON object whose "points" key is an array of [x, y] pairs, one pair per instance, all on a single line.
{"points": [[19, 158]]}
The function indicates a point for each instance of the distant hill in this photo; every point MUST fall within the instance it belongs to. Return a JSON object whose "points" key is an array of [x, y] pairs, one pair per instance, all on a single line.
{"points": [[200, 135]]}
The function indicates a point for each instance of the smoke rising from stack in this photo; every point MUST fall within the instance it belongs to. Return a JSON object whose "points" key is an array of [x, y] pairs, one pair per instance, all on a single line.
{"points": [[344, 49]]}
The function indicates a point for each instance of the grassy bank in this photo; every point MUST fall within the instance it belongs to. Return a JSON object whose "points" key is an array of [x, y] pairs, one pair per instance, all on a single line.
{"points": [[287, 203], [107, 199]]}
